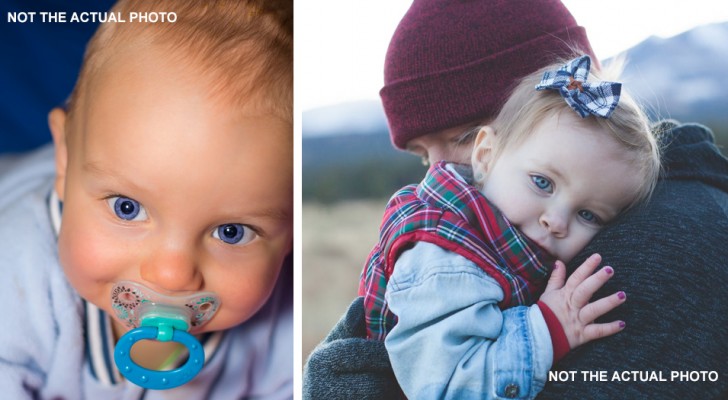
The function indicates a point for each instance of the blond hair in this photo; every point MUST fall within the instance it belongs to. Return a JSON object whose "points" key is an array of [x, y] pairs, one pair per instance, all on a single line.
{"points": [[628, 124], [244, 49]]}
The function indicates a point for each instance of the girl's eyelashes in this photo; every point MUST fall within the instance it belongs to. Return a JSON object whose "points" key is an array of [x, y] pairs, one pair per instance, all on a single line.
{"points": [[590, 217], [127, 209], [542, 183], [234, 233]]}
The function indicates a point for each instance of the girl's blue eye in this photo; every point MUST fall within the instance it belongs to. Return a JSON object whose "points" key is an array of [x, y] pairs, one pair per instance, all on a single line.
{"points": [[542, 183], [589, 217], [234, 233], [127, 209]]}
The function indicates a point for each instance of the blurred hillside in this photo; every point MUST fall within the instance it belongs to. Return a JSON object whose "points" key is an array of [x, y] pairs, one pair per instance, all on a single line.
{"points": [[347, 153], [355, 166]]}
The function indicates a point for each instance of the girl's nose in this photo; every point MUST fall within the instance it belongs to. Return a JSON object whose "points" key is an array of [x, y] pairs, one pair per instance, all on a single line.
{"points": [[172, 269], [555, 223]]}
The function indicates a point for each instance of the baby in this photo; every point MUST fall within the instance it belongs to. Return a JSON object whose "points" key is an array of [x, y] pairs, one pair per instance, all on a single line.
{"points": [[464, 255], [170, 212]]}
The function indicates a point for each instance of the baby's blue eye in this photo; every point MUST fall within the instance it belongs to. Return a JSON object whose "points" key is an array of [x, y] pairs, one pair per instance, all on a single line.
{"points": [[542, 183], [127, 209], [590, 217], [234, 233]]}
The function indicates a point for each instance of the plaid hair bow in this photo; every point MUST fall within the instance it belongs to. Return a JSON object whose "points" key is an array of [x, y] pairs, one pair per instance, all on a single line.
{"points": [[598, 98]]}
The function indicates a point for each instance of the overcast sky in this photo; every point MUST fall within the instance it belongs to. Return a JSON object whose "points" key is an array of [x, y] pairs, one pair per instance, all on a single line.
{"points": [[340, 44]]}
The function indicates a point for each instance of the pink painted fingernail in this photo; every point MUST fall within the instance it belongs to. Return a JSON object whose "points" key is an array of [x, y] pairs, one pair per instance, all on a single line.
{"points": [[622, 295], [622, 324], [609, 270]]}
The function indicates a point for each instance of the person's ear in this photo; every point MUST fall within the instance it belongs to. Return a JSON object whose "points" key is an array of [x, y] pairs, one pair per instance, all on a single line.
{"points": [[57, 124], [482, 156]]}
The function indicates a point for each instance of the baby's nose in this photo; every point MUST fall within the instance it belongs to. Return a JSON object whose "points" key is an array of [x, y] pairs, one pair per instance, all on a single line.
{"points": [[172, 270], [555, 224]]}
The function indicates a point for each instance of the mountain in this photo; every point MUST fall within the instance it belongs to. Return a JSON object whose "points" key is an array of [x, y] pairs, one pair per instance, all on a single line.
{"points": [[682, 77], [359, 117], [347, 152]]}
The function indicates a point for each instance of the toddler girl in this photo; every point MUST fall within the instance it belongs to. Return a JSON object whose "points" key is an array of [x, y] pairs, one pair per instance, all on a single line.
{"points": [[463, 256]]}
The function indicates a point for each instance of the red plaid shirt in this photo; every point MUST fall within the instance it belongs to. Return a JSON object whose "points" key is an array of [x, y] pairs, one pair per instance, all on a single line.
{"points": [[446, 211]]}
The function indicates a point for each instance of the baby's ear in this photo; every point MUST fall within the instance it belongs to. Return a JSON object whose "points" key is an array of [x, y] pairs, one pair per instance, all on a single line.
{"points": [[483, 152], [57, 125]]}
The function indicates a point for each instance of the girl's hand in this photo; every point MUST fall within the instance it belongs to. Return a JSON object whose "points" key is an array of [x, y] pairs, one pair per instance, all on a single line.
{"points": [[570, 302]]}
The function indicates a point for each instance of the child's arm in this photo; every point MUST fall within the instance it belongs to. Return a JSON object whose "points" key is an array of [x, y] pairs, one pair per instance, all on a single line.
{"points": [[452, 340], [570, 302]]}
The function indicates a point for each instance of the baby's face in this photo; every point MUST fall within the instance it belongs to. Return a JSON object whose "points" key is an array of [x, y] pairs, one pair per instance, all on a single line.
{"points": [[166, 187], [562, 185]]}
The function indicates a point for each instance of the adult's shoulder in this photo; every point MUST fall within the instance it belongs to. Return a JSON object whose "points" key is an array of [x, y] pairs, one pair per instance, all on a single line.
{"points": [[671, 131], [689, 153]]}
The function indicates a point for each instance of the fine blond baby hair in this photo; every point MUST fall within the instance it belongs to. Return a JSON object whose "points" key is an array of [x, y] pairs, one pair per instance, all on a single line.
{"points": [[243, 49], [628, 124]]}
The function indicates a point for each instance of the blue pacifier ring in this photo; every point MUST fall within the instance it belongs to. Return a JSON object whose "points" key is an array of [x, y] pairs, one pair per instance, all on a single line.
{"points": [[152, 379]]}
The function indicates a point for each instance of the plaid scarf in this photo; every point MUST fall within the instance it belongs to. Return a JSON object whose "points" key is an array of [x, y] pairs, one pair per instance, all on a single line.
{"points": [[448, 212]]}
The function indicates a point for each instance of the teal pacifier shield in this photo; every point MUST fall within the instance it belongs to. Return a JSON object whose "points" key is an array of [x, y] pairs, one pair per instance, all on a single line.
{"points": [[130, 301], [152, 379]]}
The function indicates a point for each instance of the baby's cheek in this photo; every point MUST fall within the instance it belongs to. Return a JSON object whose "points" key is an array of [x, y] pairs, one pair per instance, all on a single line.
{"points": [[580, 240], [243, 295], [518, 210], [86, 258]]}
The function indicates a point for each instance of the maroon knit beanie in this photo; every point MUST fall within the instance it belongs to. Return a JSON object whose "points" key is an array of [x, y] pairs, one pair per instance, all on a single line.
{"points": [[452, 62]]}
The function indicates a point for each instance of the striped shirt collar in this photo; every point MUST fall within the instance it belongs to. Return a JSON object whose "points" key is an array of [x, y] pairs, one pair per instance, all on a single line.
{"points": [[98, 332]]}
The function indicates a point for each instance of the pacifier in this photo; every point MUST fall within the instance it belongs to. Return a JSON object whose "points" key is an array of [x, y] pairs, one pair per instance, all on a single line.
{"points": [[155, 316]]}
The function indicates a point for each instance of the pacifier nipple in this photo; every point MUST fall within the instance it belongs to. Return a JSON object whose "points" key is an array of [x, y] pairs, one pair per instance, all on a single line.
{"points": [[154, 316]]}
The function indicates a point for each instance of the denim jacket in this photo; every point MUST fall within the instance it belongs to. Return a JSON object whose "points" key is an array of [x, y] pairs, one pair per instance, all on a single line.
{"points": [[452, 341]]}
